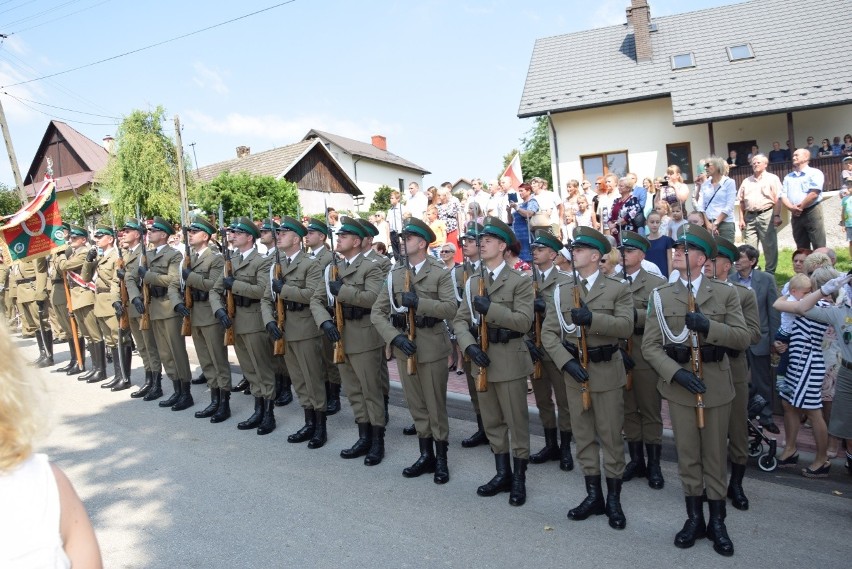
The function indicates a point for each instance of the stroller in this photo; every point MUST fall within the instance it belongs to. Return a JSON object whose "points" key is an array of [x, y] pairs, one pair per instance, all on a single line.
{"points": [[765, 460]]}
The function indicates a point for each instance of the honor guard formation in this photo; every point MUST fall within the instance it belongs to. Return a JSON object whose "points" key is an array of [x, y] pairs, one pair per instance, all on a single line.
{"points": [[602, 351]]}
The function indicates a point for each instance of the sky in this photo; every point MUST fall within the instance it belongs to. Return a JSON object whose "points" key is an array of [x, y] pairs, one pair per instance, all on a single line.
{"points": [[441, 79]]}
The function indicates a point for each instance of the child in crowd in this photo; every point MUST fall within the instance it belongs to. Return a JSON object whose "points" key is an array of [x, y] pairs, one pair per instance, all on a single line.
{"points": [[660, 252], [799, 286], [439, 227], [584, 216], [663, 209], [846, 208], [676, 220], [569, 224]]}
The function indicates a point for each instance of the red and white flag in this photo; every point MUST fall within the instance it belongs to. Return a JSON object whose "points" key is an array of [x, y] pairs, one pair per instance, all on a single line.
{"points": [[513, 172]]}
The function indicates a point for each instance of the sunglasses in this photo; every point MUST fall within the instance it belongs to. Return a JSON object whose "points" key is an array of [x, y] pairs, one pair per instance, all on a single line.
{"points": [[447, 252]]}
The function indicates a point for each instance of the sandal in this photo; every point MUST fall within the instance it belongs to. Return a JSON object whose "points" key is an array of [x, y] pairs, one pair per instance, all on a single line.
{"points": [[791, 460], [821, 472]]}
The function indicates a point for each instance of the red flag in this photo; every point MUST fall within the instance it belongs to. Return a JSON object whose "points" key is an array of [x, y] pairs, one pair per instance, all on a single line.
{"points": [[36, 229], [513, 172]]}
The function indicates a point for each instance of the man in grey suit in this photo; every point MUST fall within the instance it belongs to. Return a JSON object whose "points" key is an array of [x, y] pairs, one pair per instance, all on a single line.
{"points": [[763, 285]]}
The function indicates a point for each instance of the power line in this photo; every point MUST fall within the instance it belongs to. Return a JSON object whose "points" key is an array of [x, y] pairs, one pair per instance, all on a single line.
{"points": [[60, 118], [61, 108], [16, 7], [59, 18], [147, 47], [42, 13]]}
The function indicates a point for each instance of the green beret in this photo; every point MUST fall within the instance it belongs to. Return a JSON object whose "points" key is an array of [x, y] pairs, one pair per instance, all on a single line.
{"points": [[698, 237], [135, 225], [473, 229], [494, 226], [292, 224], [544, 238], [102, 230], [245, 225], [419, 228], [727, 249], [634, 240], [588, 237], [202, 224], [352, 227], [317, 225], [269, 225], [163, 225], [77, 231]]}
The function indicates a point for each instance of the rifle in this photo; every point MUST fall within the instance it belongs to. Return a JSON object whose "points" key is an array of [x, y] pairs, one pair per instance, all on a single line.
{"points": [[538, 319], [145, 322], [694, 340], [230, 307], [482, 378], [409, 319], [123, 321], [584, 348], [339, 354], [73, 319], [186, 325], [279, 347], [629, 385]]}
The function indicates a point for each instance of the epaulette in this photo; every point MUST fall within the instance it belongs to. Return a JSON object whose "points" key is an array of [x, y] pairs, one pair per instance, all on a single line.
{"points": [[616, 279], [662, 286]]}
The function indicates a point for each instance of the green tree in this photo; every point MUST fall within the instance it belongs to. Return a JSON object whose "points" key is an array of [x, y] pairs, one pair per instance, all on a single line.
{"points": [[381, 199], [242, 192], [9, 200], [535, 152], [84, 210]]}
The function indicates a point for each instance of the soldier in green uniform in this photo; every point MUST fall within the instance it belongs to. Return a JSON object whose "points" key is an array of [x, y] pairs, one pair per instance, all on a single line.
{"points": [[507, 308], [606, 314], [283, 381], [718, 325], [300, 277], [163, 279], [4, 283], [32, 300], [719, 268], [356, 288], [59, 301], [251, 342], [643, 421], [430, 295], [315, 247], [208, 336]]}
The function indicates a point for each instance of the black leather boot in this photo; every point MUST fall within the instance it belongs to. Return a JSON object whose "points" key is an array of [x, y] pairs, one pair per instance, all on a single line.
{"points": [[613, 504], [174, 397], [224, 411], [550, 450], [201, 379], [47, 347], [116, 369], [307, 430], [98, 363], [146, 387], [127, 355], [518, 494], [377, 447], [655, 473], [735, 487], [566, 461], [93, 360], [636, 467], [716, 530], [243, 386], [502, 481], [320, 434], [210, 410], [185, 400], [253, 422], [694, 527], [79, 366], [332, 395], [156, 389], [361, 446], [387, 414], [426, 461], [477, 438], [285, 393], [267, 425], [41, 353], [442, 469], [409, 430], [593, 504], [71, 362]]}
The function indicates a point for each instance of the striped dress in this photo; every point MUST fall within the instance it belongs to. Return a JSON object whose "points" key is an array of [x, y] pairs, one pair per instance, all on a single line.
{"points": [[806, 367]]}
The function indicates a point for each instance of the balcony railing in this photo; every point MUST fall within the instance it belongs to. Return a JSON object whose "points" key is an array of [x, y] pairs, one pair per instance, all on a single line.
{"points": [[830, 167]]}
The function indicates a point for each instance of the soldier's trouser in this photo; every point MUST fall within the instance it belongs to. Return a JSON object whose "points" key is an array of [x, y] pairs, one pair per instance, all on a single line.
{"points": [[108, 327], [701, 453], [384, 375], [29, 316], [330, 370], [64, 320], [146, 345], [304, 361], [209, 342], [360, 378], [643, 420], [172, 348], [59, 332], [279, 366], [599, 427], [88, 324], [737, 424], [426, 394], [505, 416], [254, 352], [471, 384], [551, 382]]}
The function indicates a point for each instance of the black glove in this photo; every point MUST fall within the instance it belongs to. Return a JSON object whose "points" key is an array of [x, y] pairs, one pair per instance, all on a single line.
{"points": [[581, 316], [228, 282], [276, 285], [182, 310], [481, 304], [184, 272], [402, 342], [335, 286], [478, 355], [141, 270], [92, 254], [119, 308], [410, 299], [629, 363], [330, 330], [222, 316], [576, 371], [697, 321], [120, 273], [534, 351], [539, 305], [688, 381], [138, 305], [274, 331]]}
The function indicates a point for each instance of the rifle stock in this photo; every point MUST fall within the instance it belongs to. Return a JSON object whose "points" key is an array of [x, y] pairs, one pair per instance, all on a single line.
{"points": [[584, 351], [145, 321], [412, 359], [279, 347], [482, 378], [339, 353], [538, 319], [694, 340], [73, 319]]}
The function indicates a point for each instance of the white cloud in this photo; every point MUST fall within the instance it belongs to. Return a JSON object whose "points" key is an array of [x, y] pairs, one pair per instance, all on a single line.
{"points": [[211, 79], [16, 45]]}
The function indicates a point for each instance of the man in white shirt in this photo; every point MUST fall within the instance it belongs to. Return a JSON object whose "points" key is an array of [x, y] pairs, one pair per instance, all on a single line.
{"points": [[496, 204], [417, 202], [480, 196], [548, 203], [801, 193]]}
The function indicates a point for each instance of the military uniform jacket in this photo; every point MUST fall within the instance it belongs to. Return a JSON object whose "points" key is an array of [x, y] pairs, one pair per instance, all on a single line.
{"points": [[748, 303], [641, 289], [250, 281], [362, 281], [434, 289], [132, 259], [382, 260], [4, 276], [459, 275], [101, 272], [206, 270], [720, 303], [57, 289], [164, 271], [35, 289], [611, 304], [545, 290], [323, 258], [511, 308], [81, 295], [301, 278]]}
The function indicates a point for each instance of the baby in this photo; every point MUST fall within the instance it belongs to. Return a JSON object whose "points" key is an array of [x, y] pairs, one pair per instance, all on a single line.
{"points": [[798, 287]]}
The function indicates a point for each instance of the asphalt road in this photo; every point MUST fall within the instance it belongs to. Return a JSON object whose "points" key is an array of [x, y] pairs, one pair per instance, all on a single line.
{"points": [[167, 490]]}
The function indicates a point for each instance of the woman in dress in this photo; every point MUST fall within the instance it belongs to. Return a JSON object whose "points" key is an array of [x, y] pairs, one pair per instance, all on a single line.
{"points": [[521, 214], [625, 211], [449, 211]]}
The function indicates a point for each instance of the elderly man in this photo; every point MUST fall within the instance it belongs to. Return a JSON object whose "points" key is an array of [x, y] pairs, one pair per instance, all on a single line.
{"points": [[760, 210], [802, 194]]}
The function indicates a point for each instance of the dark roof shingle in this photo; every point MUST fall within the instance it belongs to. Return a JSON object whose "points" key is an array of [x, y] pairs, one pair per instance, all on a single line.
{"points": [[365, 150], [275, 162]]}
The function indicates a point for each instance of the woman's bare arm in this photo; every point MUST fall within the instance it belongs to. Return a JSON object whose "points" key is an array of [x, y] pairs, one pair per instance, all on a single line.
{"points": [[78, 535]]}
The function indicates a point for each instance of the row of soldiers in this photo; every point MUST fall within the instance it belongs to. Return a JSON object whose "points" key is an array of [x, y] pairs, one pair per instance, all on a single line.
{"points": [[324, 319]]}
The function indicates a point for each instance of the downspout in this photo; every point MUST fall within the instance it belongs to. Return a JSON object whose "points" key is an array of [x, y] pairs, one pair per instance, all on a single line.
{"points": [[554, 155]]}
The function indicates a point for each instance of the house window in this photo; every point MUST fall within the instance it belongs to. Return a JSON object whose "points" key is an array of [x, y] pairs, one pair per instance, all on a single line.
{"points": [[740, 52], [683, 61], [401, 186], [680, 154], [596, 165]]}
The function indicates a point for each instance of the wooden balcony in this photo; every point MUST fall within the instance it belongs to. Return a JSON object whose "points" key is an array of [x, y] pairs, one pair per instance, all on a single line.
{"points": [[830, 167]]}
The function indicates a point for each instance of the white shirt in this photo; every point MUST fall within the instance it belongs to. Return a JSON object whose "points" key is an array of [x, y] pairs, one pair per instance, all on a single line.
{"points": [[416, 268], [417, 204], [696, 284], [548, 200], [544, 274], [590, 280], [496, 272]]}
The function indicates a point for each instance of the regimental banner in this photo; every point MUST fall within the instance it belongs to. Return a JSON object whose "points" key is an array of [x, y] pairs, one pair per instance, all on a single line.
{"points": [[36, 229]]}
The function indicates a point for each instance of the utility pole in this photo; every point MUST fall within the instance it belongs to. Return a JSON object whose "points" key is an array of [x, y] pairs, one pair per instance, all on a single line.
{"points": [[194, 157], [184, 200], [12, 158]]}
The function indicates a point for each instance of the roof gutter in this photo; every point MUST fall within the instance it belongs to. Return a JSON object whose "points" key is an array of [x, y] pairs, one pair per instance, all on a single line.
{"points": [[555, 154]]}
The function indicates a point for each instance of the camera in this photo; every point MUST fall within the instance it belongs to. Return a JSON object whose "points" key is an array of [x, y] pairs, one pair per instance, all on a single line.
{"points": [[665, 183]]}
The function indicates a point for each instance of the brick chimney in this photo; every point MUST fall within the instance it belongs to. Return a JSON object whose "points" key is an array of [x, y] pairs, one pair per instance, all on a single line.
{"points": [[243, 151], [109, 145], [380, 142], [639, 18]]}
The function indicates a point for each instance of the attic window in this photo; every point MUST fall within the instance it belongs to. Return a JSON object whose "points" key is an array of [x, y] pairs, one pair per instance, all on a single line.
{"points": [[683, 61], [740, 52]]}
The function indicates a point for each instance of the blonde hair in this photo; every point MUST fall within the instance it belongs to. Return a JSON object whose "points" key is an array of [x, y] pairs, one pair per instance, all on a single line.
{"points": [[815, 261], [821, 276], [21, 403], [800, 281]]}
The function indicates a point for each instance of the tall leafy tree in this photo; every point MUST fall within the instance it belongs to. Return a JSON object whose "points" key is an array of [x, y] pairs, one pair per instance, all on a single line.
{"points": [[381, 199], [10, 202], [535, 152], [84, 210], [242, 193]]}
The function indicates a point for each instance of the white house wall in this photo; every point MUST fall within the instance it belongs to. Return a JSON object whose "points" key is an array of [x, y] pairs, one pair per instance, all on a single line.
{"points": [[313, 201]]}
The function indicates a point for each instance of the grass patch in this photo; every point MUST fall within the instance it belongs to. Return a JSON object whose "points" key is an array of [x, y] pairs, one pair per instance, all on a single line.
{"points": [[784, 270]]}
